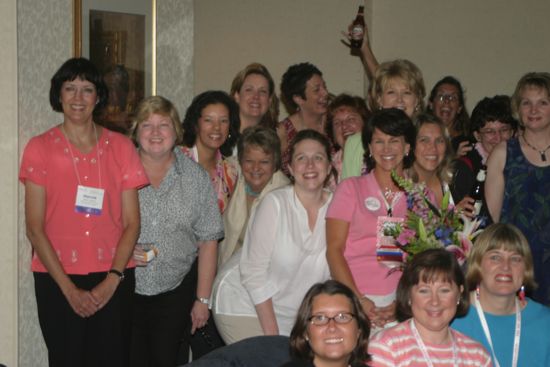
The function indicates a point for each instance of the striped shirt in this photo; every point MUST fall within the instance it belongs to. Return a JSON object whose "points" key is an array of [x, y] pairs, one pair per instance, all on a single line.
{"points": [[397, 347]]}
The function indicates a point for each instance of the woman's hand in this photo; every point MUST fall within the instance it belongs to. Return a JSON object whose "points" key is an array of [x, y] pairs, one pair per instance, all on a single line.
{"points": [[466, 207], [82, 302], [370, 309], [103, 292], [386, 314], [199, 316], [139, 256], [463, 148]]}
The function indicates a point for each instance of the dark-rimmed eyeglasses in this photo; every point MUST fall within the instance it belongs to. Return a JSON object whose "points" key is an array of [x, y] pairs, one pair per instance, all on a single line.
{"points": [[493, 132], [446, 98], [340, 318]]}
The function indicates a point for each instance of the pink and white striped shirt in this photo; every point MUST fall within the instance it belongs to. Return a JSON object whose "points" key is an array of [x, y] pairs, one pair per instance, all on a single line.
{"points": [[397, 347]]}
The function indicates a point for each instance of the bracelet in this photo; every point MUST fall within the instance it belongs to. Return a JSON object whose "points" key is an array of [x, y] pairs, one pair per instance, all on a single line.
{"points": [[202, 300], [116, 272]]}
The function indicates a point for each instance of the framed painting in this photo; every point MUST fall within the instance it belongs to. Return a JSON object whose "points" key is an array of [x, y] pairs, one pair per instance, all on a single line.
{"points": [[119, 38]]}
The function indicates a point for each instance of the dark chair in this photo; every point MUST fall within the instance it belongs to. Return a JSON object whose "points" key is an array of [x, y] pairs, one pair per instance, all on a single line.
{"points": [[258, 351]]}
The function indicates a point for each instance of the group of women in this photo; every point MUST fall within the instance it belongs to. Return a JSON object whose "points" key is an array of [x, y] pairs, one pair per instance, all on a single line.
{"points": [[230, 211]]}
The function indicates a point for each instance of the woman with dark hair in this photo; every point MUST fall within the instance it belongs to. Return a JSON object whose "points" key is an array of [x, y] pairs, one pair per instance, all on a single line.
{"points": [[181, 224], [254, 91], [210, 131], [305, 96], [446, 101], [518, 172], [331, 329], [283, 252], [346, 116], [430, 293], [82, 219], [360, 209], [491, 123], [513, 327]]}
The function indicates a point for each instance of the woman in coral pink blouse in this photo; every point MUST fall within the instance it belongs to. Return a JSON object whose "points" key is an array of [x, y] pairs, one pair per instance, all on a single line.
{"points": [[82, 218]]}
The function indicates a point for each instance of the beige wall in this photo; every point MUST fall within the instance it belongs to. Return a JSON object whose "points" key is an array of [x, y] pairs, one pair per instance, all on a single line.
{"points": [[8, 185], [487, 44], [231, 34]]}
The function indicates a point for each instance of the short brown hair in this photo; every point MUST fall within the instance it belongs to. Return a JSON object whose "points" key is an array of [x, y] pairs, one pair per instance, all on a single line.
{"points": [[263, 138], [427, 266], [156, 105], [500, 236]]}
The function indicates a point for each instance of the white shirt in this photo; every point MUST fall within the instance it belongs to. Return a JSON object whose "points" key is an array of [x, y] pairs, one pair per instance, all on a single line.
{"points": [[280, 259]]}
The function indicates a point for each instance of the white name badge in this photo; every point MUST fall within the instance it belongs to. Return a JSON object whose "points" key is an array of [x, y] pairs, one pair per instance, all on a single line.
{"points": [[89, 200]]}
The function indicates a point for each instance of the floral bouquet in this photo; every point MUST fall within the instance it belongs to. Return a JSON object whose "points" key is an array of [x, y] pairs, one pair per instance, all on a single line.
{"points": [[427, 227]]}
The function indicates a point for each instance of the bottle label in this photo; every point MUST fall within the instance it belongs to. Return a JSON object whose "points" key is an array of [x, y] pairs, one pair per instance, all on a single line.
{"points": [[477, 207], [357, 32]]}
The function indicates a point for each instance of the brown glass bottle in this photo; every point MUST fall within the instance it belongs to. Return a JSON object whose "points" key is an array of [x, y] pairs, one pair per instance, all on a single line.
{"points": [[358, 29]]}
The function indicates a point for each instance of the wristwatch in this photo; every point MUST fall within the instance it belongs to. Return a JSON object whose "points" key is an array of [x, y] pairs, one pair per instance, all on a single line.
{"points": [[203, 300], [116, 272]]}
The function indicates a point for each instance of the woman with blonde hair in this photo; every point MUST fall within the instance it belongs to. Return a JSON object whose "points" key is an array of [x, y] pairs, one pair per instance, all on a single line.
{"points": [[396, 84], [518, 175], [181, 223], [513, 327]]}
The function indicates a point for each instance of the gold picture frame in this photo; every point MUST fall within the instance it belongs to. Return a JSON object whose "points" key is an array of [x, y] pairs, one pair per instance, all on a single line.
{"points": [[120, 39]]}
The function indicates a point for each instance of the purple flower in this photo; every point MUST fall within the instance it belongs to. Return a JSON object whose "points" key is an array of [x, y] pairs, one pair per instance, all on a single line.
{"points": [[443, 234]]}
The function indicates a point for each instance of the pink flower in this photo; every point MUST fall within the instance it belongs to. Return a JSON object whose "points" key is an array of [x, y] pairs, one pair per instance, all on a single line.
{"points": [[405, 236]]}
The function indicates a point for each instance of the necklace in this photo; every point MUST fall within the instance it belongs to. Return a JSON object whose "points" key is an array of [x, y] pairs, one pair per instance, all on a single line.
{"points": [[248, 190], [541, 152]]}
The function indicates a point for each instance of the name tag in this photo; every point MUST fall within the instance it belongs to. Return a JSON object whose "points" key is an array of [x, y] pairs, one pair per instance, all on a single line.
{"points": [[89, 200]]}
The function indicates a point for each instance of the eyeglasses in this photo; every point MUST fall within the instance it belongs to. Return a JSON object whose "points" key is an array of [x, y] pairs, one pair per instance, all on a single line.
{"points": [[447, 98], [341, 318], [492, 132]]}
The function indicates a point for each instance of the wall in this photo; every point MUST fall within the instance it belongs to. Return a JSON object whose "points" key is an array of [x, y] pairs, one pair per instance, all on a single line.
{"points": [[487, 44], [231, 34], [8, 185]]}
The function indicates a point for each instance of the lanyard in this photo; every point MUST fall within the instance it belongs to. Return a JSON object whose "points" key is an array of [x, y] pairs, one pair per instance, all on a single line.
{"points": [[73, 159], [424, 350], [389, 207], [487, 332]]}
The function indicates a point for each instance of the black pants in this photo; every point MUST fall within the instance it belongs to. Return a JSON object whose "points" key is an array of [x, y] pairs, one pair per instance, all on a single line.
{"points": [[160, 323], [100, 340]]}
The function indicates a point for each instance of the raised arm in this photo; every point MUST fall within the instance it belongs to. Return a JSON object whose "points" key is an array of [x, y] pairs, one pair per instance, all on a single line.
{"points": [[494, 184]]}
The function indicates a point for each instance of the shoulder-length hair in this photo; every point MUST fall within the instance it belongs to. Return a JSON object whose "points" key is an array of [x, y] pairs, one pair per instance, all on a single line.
{"points": [[462, 121], [299, 346], [444, 169], [271, 118], [193, 114], [500, 236]]}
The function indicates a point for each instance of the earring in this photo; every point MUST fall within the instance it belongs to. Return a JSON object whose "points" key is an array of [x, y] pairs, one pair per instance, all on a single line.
{"points": [[229, 136], [97, 102], [521, 294], [409, 302], [477, 292], [307, 338], [458, 302]]}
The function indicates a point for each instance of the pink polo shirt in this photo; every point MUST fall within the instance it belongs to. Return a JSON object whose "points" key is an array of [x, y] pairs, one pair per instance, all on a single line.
{"points": [[350, 204], [84, 243]]}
